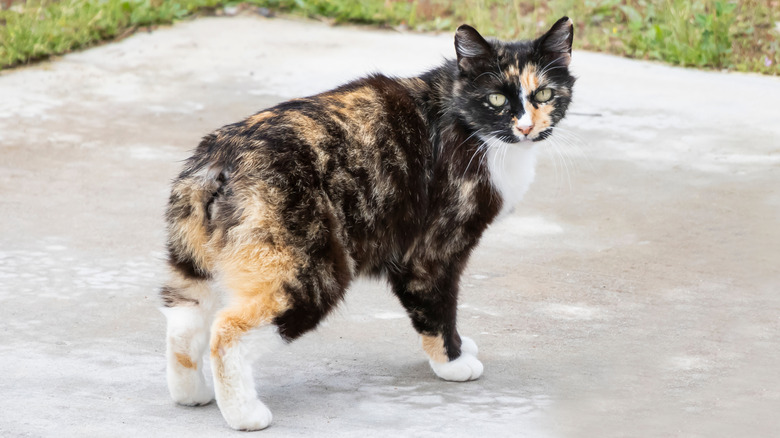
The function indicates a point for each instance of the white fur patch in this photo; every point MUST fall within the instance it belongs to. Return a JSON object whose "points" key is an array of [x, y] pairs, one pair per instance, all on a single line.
{"points": [[467, 345], [525, 121], [512, 169], [235, 385], [187, 339], [466, 367]]}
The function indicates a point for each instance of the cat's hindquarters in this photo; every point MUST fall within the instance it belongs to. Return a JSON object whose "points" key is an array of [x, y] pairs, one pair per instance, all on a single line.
{"points": [[188, 299], [188, 215]]}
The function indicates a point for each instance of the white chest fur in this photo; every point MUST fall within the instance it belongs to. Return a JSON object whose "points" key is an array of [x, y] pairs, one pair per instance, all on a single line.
{"points": [[512, 169]]}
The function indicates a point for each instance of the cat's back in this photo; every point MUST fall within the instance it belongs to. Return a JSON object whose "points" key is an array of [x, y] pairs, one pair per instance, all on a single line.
{"points": [[364, 144], [362, 149], [376, 114]]}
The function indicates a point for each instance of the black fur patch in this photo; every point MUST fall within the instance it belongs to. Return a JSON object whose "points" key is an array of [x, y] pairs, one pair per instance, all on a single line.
{"points": [[186, 267], [172, 297]]}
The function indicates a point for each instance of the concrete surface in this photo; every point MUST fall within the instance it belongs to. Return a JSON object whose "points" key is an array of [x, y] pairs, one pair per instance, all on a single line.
{"points": [[634, 294]]}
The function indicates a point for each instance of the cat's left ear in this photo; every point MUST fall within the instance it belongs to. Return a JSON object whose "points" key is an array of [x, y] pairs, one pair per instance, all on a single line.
{"points": [[556, 43], [473, 50]]}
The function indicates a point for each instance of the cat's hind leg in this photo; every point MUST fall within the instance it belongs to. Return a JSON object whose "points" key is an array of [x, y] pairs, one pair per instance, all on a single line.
{"points": [[253, 279], [188, 308]]}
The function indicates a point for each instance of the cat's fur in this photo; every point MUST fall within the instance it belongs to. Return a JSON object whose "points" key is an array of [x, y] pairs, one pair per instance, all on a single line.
{"points": [[273, 216]]}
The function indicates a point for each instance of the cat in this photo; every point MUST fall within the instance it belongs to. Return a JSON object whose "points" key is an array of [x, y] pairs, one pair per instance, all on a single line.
{"points": [[273, 217]]}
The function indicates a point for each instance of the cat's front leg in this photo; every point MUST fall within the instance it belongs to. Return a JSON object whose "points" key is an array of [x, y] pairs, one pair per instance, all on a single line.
{"points": [[432, 306], [463, 368]]}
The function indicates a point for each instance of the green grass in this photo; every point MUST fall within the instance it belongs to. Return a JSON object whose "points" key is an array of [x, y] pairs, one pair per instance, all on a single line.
{"points": [[716, 34], [36, 29], [739, 35]]}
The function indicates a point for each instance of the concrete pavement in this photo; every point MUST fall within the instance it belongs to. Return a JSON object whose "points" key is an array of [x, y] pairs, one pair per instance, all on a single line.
{"points": [[635, 293]]}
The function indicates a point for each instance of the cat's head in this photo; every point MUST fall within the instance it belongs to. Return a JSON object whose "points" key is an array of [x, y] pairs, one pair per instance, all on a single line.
{"points": [[514, 91]]}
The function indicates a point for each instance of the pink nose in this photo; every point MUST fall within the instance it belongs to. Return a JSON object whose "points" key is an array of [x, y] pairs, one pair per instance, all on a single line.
{"points": [[525, 129]]}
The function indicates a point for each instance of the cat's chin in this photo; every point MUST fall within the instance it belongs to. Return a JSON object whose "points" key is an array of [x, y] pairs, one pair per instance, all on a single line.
{"points": [[521, 141]]}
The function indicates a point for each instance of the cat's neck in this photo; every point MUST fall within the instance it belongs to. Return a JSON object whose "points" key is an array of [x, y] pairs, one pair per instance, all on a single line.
{"points": [[508, 168], [437, 95], [451, 138]]}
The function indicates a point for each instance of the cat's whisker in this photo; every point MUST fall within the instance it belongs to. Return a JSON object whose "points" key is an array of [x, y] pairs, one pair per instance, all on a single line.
{"points": [[476, 152], [545, 69], [481, 148], [489, 73], [566, 162], [550, 69], [565, 146], [567, 155], [549, 64], [491, 144], [573, 142], [566, 131], [467, 139], [554, 160], [505, 149], [572, 150], [557, 156]]}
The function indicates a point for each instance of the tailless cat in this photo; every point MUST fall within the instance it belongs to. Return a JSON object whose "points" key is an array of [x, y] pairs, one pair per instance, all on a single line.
{"points": [[273, 217]]}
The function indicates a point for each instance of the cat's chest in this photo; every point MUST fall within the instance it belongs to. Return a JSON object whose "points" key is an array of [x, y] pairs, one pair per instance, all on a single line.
{"points": [[512, 170]]}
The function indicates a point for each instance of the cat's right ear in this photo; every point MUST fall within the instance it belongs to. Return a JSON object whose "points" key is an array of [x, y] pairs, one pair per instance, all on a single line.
{"points": [[473, 51], [555, 45]]}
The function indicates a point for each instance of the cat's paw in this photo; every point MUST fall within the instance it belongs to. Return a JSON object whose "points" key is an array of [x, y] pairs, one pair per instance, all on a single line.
{"points": [[251, 416], [466, 367], [467, 345], [189, 389], [203, 396]]}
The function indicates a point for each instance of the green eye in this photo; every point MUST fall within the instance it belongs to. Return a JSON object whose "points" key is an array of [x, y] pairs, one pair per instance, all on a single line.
{"points": [[543, 95], [496, 99]]}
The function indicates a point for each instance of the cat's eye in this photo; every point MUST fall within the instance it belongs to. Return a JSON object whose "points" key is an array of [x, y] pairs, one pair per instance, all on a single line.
{"points": [[497, 99], [543, 95]]}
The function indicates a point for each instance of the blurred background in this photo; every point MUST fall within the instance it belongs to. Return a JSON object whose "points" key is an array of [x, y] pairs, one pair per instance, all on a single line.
{"points": [[739, 35]]}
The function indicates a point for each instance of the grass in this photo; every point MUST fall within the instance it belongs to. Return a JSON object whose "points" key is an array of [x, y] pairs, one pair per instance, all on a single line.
{"points": [[739, 35], [37, 29]]}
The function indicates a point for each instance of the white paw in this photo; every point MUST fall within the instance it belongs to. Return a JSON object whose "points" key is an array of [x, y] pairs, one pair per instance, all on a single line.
{"points": [[466, 367], [188, 387], [254, 416], [202, 396], [467, 345]]}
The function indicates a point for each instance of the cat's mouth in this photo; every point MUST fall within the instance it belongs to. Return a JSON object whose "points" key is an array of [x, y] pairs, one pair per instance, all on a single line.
{"points": [[518, 139], [523, 138]]}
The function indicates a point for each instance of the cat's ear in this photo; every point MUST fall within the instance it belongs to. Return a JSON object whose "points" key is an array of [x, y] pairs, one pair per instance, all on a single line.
{"points": [[555, 45], [473, 51]]}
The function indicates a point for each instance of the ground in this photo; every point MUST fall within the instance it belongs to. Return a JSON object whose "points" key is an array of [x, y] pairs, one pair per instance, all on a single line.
{"points": [[634, 293]]}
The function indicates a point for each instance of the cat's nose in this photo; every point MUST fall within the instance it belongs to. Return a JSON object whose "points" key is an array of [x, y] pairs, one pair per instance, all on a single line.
{"points": [[525, 129]]}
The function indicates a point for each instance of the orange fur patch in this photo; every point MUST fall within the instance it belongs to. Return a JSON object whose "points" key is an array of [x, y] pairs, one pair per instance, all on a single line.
{"points": [[259, 118], [312, 132], [434, 348], [417, 85], [540, 116], [185, 361], [357, 111], [511, 73], [529, 79], [189, 232], [254, 275]]}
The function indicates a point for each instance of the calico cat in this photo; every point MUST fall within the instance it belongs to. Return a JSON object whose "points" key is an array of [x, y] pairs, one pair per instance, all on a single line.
{"points": [[274, 216]]}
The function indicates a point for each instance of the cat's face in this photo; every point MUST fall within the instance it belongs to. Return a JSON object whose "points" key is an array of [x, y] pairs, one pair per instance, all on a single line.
{"points": [[514, 92]]}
